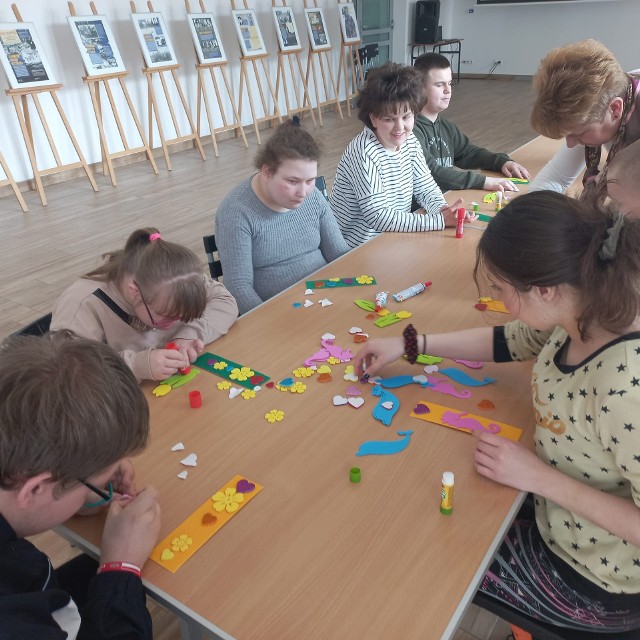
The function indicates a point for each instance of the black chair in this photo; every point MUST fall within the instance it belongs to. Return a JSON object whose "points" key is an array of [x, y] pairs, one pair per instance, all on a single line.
{"points": [[39, 327], [540, 630], [211, 249], [321, 185]]}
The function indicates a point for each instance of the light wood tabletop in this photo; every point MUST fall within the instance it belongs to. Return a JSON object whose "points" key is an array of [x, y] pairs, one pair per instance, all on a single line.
{"points": [[314, 556]]}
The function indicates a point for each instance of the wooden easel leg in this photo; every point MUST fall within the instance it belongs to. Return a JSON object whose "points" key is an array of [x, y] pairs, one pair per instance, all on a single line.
{"points": [[236, 112], [333, 85], [202, 94], [185, 106], [244, 78], [107, 166], [22, 111], [306, 96], [153, 109], [273, 95], [14, 186], [311, 67]]}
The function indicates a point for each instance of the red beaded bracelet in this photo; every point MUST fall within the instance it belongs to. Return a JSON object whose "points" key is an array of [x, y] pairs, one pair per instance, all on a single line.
{"points": [[410, 343], [120, 566]]}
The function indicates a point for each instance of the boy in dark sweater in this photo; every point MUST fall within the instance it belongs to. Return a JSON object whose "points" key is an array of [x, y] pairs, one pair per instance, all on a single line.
{"points": [[448, 152]]}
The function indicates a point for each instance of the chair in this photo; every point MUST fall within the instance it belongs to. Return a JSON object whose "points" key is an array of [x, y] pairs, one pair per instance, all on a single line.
{"points": [[213, 258], [39, 327], [321, 185], [540, 630]]}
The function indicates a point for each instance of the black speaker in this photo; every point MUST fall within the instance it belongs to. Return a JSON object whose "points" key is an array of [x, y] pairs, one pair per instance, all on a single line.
{"points": [[427, 18]]}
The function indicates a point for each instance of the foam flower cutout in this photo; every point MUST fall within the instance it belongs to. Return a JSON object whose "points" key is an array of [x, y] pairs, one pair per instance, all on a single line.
{"points": [[298, 387], [225, 385], [303, 372], [333, 360], [220, 366], [181, 543], [244, 373], [247, 394], [364, 279], [229, 500], [275, 415]]}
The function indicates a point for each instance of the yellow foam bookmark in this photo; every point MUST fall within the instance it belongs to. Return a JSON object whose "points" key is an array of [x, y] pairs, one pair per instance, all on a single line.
{"points": [[172, 552], [455, 419]]}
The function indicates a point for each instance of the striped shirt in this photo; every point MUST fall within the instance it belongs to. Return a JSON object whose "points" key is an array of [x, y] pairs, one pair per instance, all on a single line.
{"points": [[374, 188]]}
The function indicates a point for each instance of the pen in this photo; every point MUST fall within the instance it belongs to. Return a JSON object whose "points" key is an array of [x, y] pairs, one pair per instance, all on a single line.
{"points": [[101, 492]]}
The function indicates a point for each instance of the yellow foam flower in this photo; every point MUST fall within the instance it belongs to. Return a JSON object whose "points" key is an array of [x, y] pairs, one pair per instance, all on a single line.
{"points": [[220, 365], [247, 394], [275, 415], [364, 279], [333, 360], [228, 500], [181, 543], [303, 372], [298, 387], [225, 385], [244, 373]]}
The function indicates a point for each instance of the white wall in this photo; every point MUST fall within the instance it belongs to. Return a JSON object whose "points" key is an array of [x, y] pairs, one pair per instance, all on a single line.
{"points": [[521, 35], [49, 18]]}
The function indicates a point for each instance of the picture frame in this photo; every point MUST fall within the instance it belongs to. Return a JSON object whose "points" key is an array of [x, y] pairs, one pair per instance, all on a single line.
{"points": [[316, 27], [348, 23], [249, 34], [23, 57], [154, 40], [206, 38], [286, 29], [97, 45]]}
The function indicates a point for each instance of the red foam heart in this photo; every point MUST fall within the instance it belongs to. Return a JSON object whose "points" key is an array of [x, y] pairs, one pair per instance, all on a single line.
{"points": [[481, 306], [256, 379], [270, 384]]}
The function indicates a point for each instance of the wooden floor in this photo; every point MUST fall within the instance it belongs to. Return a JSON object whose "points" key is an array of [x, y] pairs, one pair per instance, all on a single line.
{"points": [[43, 251]]}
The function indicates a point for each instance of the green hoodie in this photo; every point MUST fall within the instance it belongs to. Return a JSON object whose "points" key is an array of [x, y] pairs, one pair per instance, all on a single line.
{"points": [[444, 146]]}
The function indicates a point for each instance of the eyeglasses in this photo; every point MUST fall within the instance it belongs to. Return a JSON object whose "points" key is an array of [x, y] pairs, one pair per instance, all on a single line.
{"points": [[106, 497], [144, 302]]}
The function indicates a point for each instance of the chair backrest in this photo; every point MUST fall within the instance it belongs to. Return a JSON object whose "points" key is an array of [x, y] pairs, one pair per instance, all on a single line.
{"points": [[211, 249], [321, 185], [39, 327]]}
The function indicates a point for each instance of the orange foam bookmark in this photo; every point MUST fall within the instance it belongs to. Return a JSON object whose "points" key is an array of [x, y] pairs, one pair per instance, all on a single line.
{"points": [[463, 421], [172, 552]]}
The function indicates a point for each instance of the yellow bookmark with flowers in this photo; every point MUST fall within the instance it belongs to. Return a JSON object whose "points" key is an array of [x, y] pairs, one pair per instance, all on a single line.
{"points": [[172, 552]]}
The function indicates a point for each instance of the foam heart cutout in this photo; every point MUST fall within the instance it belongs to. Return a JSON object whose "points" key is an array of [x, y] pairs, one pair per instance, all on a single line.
{"points": [[167, 554], [420, 379], [421, 409], [190, 461], [183, 475], [350, 377], [324, 369], [309, 292], [338, 401], [328, 336], [431, 368], [244, 486], [360, 337], [326, 302], [177, 447], [352, 391], [308, 303], [355, 330], [208, 519], [387, 405], [325, 377], [356, 403]]}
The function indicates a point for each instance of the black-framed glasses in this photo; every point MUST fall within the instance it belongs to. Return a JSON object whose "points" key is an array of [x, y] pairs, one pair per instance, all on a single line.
{"points": [[144, 302], [105, 497]]}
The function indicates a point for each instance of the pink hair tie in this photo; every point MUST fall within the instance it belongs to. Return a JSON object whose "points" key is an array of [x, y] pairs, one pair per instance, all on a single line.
{"points": [[155, 236]]}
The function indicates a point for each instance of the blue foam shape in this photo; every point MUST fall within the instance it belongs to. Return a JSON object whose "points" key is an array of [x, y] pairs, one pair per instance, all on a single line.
{"points": [[379, 412], [395, 382], [463, 378], [385, 447], [287, 382]]}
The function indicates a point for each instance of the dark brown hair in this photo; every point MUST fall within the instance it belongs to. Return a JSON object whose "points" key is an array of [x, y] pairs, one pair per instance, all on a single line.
{"points": [[388, 88], [166, 272], [427, 61], [289, 142], [545, 239], [68, 406]]}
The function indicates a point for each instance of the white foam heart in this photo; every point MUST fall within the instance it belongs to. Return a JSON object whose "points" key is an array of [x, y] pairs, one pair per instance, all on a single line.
{"points": [[234, 391], [420, 379], [339, 400], [325, 302], [309, 292], [431, 368], [183, 475], [387, 405], [351, 377], [356, 403], [190, 461], [258, 388], [308, 303], [355, 330], [374, 380], [328, 336], [177, 447]]}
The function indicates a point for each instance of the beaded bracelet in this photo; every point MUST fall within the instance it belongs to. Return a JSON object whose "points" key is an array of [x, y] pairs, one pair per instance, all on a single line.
{"points": [[410, 343], [120, 566]]}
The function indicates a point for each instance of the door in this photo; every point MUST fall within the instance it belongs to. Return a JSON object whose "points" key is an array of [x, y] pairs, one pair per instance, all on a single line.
{"points": [[376, 27]]}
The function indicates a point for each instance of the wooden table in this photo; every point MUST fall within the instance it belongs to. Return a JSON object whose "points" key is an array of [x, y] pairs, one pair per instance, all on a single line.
{"points": [[314, 556]]}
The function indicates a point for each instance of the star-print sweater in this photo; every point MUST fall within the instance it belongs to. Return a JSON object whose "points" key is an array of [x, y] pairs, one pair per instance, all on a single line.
{"points": [[588, 427]]}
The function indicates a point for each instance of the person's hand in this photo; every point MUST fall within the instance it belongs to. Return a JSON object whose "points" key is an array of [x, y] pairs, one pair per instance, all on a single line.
{"points": [[191, 348], [508, 462], [376, 353], [123, 479], [166, 362], [512, 169], [131, 529], [499, 184], [450, 213]]}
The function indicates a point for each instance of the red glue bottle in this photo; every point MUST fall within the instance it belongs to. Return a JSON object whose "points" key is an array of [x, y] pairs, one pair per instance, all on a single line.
{"points": [[460, 222]]}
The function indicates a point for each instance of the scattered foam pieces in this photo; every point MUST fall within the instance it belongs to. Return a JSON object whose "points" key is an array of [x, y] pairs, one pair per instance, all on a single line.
{"points": [[298, 387], [275, 415], [325, 302], [224, 385], [248, 394], [338, 401], [360, 337], [356, 403], [487, 405], [355, 330], [328, 336], [181, 543], [309, 292], [422, 380], [167, 554], [285, 382], [374, 379], [209, 519], [489, 198], [183, 475], [333, 360], [325, 377], [387, 405], [190, 461], [324, 369], [270, 384], [350, 377], [303, 372], [244, 486], [352, 390], [178, 446], [296, 305], [370, 316], [431, 368], [161, 390], [234, 392], [308, 303]]}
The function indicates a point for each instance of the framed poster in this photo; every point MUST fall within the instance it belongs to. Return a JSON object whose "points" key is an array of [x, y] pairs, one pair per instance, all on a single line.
{"points": [[348, 23], [154, 40], [23, 58], [97, 45], [286, 29], [318, 35], [249, 34], [206, 38]]}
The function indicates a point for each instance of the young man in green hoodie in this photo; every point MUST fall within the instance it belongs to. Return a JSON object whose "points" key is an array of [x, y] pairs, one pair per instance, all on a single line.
{"points": [[448, 152]]}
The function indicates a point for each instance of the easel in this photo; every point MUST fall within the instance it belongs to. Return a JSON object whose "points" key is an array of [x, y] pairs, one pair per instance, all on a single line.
{"points": [[311, 66], [153, 106], [236, 126], [281, 74], [244, 79], [348, 53], [10, 181], [93, 84], [20, 102]]}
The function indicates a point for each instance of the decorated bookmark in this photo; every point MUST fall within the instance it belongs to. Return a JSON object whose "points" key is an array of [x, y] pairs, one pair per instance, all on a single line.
{"points": [[431, 412], [236, 373], [358, 281], [172, 552]]}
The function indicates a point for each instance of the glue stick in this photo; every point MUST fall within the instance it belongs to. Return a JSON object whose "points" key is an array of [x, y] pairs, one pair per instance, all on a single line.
{"points": [[499, 201], [381, 300], [411, 291], [446, 496], [462, 212]]}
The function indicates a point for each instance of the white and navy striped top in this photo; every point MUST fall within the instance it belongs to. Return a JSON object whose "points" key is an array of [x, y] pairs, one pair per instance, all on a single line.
{"points": [[374, 188]]}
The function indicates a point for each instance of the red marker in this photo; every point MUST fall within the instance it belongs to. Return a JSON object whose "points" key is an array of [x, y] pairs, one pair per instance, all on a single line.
{"points": [[460, 222]]}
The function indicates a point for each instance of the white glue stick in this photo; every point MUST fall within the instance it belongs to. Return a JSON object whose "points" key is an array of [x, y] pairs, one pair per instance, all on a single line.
{"points": [[411, 291]]}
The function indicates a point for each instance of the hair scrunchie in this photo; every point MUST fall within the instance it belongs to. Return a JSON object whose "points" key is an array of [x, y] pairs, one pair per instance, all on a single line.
{"points": [[154, 236], [608, 249]]}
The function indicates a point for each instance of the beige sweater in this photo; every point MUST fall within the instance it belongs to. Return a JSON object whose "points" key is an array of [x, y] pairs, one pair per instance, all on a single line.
{"points": [[79, 311]]}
